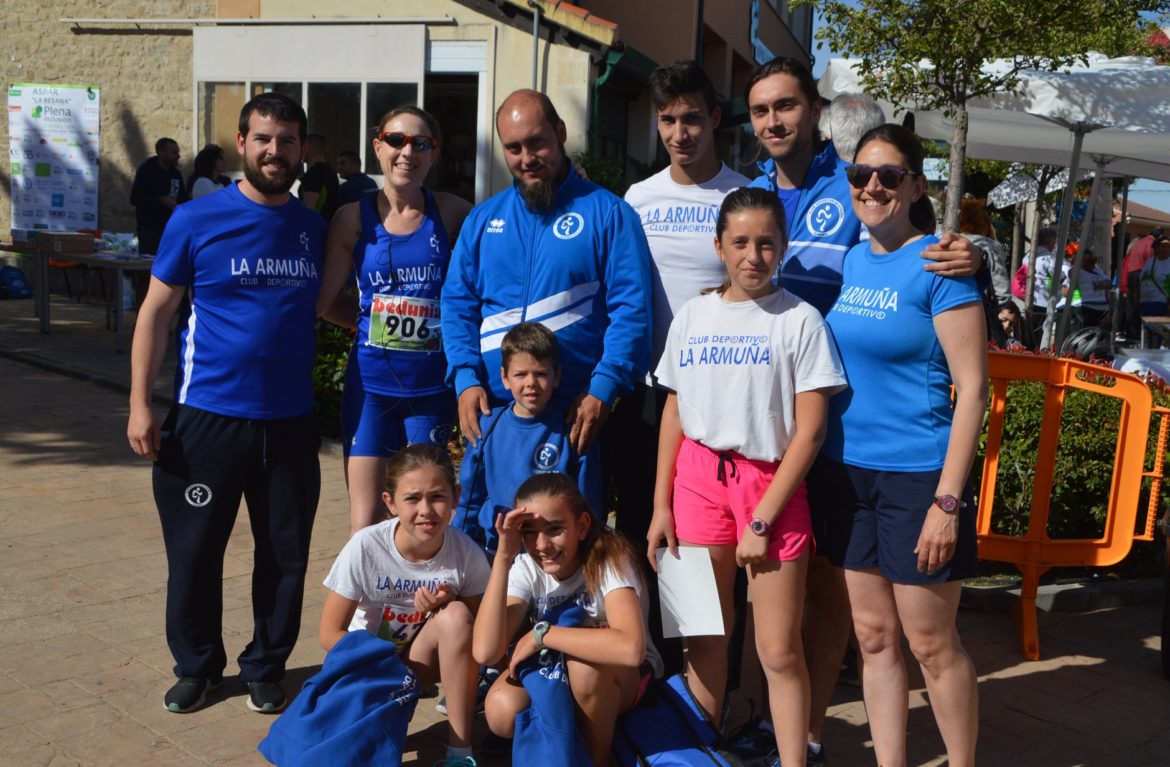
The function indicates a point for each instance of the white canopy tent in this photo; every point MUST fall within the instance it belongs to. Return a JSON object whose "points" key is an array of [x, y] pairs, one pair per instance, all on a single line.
{"points": [[1111, 113]]}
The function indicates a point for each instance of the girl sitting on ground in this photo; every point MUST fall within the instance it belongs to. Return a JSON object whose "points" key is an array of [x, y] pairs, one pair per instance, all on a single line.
{"points": [[571, 558], [413, 582]]}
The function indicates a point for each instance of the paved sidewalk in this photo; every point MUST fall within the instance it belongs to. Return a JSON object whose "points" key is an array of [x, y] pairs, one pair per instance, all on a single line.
{"points": [[84, 664]]}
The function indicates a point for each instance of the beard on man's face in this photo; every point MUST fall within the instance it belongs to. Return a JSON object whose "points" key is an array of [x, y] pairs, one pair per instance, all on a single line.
{"points": [[538, 196], [279, 184]]}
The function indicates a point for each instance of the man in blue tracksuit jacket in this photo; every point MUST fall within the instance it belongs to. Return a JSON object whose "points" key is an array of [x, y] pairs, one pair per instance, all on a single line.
{"points": [[555, 249], [822, 227]]}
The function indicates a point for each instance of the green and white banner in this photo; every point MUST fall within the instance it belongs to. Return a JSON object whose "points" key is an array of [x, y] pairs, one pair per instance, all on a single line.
{"points": [[53, 133]]}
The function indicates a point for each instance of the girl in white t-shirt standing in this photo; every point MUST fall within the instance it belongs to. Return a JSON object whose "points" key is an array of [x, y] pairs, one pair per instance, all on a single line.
{"points": [[751, 368], [412, 581], [571, 559]]}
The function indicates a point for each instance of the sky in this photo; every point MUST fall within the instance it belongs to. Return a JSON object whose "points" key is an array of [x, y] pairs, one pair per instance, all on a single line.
{"points": [[1155, 194]]}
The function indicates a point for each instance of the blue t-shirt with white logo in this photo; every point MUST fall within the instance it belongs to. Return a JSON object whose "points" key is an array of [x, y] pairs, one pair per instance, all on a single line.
{"points": [[896, 414], [246, 332]]}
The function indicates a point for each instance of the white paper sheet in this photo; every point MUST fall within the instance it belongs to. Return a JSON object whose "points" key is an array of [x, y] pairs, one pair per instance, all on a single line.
{"points": [[690, 601]]}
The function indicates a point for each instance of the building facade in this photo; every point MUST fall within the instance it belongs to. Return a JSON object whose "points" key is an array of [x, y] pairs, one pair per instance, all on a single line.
{"points": [[184, 69]]}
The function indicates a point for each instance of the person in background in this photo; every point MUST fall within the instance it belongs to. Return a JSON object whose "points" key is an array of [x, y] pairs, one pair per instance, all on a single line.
{"points": [[1047, 264], [1092, 297], [208, 169], [1017, 333], [1129, 280], [157, 189], [848, 117], [319, 185], [354, 183], [993, 278], [1155, 285]]}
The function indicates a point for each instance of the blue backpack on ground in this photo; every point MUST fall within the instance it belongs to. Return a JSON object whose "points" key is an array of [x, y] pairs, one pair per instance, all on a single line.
{"points": [[354, 711], [13, 283], [668, 729]]}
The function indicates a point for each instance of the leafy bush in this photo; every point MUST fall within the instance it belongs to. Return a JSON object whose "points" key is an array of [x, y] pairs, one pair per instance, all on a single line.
{"points": [[1084, 465], [329, 374]]}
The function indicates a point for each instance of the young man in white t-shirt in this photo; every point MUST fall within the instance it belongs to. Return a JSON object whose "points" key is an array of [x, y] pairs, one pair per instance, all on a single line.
{"points": [[678, 207]]}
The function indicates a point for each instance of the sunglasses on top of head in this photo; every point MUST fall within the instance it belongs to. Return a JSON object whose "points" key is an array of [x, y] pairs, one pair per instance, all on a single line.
{"points": [[397, 140], [889, 176]]}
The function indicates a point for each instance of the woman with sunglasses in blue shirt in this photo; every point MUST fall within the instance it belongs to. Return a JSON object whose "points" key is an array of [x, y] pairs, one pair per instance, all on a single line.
{"points": [[395, 244], [898, 449]]}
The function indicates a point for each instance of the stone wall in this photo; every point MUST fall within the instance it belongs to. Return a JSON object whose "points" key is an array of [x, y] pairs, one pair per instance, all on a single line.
{"points": [[144, 75]]}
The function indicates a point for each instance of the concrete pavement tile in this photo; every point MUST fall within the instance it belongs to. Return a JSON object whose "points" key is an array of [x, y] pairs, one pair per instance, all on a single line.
{"points": [[151, 650], [66, 695], [20, 737], [216, 742], [63, 725], [52, 668], [16, 632], [23, 706], [8, 684], [116, 745], [49, 755]]}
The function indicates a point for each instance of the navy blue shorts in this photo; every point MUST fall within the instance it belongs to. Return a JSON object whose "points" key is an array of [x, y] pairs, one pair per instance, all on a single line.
{"points": [[872, 519], [379, 426]]}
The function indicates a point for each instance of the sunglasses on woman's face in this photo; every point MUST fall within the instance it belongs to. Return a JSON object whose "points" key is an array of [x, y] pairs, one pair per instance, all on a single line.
{"points": [[889, 176], [398, 140]]}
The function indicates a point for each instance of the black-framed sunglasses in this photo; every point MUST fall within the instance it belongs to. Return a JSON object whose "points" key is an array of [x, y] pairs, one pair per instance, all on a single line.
{"points": [[397, 140], [889, 176]]}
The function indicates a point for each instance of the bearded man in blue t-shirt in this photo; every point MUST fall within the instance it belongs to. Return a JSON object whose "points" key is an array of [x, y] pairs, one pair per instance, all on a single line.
{"points": [[241, 267]]}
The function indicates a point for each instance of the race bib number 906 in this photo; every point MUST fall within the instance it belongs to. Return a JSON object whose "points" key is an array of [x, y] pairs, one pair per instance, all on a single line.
{"points": [[405, 324]]}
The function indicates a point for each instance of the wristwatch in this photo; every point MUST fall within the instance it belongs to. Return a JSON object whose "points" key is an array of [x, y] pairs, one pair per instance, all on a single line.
{"points": [[949, 503], [759, 526], [538, 632]]}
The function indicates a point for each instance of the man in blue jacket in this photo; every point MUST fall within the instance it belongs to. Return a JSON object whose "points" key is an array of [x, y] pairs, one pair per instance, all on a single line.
{"points": [[555, 249]]}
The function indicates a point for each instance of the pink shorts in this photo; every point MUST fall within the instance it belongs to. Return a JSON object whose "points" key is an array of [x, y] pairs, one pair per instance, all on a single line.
{"points": [[716, 494]]}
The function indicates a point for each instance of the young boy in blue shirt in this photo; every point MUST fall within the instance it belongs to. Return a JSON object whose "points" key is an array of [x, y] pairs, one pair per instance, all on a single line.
{"points": [[524, 438]]}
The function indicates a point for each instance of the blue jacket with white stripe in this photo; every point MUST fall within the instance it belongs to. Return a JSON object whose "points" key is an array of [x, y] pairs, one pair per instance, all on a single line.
{"points": [[582, 269], [824, 230]]}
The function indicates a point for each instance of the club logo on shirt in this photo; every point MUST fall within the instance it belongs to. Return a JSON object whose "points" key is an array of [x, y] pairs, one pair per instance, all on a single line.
{"points": [[825, 217], [198, 495], [495, 226], [568, 226], [304, 238], [545, 457], [435, 244]]}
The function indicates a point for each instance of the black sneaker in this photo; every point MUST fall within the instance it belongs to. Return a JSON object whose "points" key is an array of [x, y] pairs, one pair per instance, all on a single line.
{"points": [[188, 694], [751, 742], [266, 697]]}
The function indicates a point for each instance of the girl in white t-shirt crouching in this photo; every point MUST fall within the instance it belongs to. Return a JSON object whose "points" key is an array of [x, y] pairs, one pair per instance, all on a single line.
{"points": [[412, 581], [751, 368], [571, 558]]}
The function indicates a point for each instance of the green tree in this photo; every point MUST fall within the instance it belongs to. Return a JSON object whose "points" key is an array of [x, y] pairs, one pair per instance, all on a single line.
{"points": [[892, 37]]}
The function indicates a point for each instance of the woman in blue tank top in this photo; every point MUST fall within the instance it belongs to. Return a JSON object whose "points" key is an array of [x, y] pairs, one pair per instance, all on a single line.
{"points": [[396, 245]]}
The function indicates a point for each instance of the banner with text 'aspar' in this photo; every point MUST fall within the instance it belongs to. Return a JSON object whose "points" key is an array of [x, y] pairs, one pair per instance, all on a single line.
{"points": [[53, 133]]}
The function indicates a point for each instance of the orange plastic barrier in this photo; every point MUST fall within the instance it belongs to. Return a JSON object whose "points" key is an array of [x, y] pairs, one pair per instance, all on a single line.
{"points": [[1034, 552]]}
